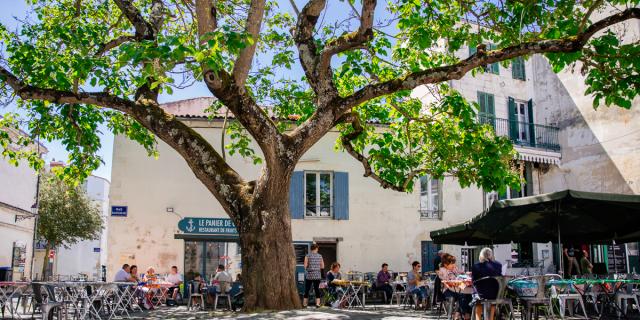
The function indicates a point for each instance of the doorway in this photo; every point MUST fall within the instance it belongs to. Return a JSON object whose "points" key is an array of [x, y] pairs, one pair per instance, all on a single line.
{"points": [[328, 250]]}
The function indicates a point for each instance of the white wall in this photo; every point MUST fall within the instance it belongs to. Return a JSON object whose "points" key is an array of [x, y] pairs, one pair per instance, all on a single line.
{"points": [[17, 189]]}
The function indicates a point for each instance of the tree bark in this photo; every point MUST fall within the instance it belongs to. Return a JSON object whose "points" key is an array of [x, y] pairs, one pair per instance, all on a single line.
{"points": [[45, 261], [268, 260]]}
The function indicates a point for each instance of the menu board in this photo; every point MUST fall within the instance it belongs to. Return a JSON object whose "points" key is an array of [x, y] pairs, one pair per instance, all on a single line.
{"points": [[301, 251], [616, 258]]}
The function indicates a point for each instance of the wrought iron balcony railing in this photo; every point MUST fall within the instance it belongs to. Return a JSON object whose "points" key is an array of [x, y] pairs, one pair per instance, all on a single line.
{"points": [[524, 133]]}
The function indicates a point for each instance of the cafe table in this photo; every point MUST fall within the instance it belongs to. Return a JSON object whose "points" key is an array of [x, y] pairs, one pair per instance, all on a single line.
{"points": [[10, 290], [352, 291]]}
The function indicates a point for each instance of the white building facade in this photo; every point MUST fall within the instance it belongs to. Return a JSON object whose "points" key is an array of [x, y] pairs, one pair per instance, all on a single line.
{"points": [[18, 189]]}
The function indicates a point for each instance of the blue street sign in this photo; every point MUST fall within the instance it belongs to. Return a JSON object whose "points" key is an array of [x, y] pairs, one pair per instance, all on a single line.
{"points": [[220, 226], [96, 249], [119, 211]]}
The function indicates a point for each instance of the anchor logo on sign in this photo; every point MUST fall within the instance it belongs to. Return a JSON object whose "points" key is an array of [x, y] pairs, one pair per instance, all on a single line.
{"points": [[190, 227]]}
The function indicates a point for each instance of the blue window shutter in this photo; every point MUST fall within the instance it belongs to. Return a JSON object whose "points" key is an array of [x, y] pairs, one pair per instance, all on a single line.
{"points": [[341, 195], [296, 195]]}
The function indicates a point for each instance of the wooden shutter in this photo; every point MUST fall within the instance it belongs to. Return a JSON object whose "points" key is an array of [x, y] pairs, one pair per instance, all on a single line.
{"points": [[494, 67], [513, 120], [296, 195], [532, 126], [472, 50], [341, 195], [517, 68]]}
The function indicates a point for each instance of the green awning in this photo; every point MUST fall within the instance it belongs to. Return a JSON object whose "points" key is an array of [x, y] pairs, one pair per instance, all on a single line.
{"points": [[581, 217]]}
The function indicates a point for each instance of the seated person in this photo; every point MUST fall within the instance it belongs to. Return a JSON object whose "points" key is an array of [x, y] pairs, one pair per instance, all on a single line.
{"points": [[383, 282], [413, 285], [334, 274], [449, 271], [487, 289], [134, 274], [176, 280], [221, 282], [123, 274], [149, 278]]}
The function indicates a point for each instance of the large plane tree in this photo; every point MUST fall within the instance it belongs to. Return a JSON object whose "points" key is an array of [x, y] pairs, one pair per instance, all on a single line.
{"points": [[73, 64]]}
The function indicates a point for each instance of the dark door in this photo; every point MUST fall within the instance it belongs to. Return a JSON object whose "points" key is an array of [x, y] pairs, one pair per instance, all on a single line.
{"points": [[428, 253], [329, 256]]}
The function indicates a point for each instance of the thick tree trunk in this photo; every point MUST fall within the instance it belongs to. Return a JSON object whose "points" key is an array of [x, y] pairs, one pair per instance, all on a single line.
{"points": [[268, 260], [45, 261]]}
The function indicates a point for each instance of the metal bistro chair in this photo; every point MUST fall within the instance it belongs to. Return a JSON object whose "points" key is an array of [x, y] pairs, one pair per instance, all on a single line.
{"points": [[501, 297], [195, 292], [622, 296], [566, 295], [51, 306], [533, 303]]}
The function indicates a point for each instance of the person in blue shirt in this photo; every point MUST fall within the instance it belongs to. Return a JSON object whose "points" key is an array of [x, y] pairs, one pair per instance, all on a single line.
{"points": [[334, 274], [486, 289]]}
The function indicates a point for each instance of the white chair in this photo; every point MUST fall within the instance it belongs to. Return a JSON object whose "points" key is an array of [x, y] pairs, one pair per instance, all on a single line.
{"points": [[195, 290], [224, 288], [399, 294], [566, 297], [623, 296]]}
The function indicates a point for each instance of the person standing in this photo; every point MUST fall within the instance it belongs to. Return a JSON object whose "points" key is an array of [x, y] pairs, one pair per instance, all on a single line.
{"points": [[585, 265], [383, 282], [570, 257], [313, 265]]}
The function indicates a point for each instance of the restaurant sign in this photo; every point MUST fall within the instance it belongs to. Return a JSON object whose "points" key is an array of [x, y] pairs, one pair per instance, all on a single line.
{"points": [[220, 226]]}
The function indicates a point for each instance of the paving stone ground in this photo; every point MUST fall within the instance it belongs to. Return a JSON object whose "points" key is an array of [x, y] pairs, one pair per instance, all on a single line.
{"points": [[381, 313]]}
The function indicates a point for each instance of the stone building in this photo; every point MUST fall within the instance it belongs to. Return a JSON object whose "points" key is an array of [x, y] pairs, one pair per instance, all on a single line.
{"points": [[18, 189]]}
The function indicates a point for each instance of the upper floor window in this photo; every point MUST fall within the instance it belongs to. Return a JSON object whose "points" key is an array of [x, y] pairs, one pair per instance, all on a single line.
{"points": [[318, 194], [517, 69], [493, 67], [430, 198]]}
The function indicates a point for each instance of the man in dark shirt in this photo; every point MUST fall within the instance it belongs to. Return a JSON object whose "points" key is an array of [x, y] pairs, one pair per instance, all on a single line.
{"points": [[437, 285], [487, 289], [383, 282]]}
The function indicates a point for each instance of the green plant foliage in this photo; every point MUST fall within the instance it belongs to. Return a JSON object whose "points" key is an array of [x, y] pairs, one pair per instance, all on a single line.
{"points": [[94, 47]]}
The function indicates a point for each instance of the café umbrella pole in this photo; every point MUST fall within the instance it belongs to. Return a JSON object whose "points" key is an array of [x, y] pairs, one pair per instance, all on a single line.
{"points": [[560, 250]]}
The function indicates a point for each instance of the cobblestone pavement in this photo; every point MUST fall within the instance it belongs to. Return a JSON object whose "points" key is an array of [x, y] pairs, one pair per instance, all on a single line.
{"points": [[386, 313]]}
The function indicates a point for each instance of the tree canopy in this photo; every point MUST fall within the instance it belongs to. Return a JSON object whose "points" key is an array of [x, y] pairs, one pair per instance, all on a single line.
{"points": [[78, 63]]}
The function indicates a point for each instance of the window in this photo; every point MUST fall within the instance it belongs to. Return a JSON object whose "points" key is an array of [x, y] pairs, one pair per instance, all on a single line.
{"points": [[487, 110], [430, 198], [517, 69], [494, 67], [318, 194]]}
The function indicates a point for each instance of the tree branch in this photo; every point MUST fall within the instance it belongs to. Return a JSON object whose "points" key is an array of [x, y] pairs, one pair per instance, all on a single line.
{"points": [[104, 48], [351, 40], [209, 167], [353, 119], [234, 96], [305, 135], [252, 28], [303, 37], [144, 30], [458, 70]]}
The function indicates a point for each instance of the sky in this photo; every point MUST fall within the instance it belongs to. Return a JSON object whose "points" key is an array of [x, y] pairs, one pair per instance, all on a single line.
{"points": [[14, 10]]}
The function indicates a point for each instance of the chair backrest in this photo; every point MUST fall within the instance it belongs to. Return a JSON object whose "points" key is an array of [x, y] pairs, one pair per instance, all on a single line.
{"points": [[499, 282], [37, 292], [195, 286], [225, 287]]}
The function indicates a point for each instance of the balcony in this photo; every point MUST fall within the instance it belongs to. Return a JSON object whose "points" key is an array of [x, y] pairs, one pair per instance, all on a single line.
{"points": [[525, 134]]}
